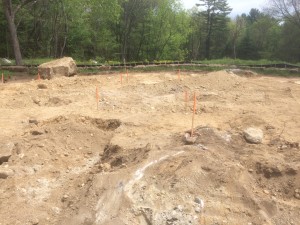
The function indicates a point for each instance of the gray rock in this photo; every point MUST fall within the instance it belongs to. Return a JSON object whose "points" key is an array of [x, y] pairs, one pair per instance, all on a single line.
{"points": [[6, 151], [198, 201], [189, 140], [198, 209], [179, 208], [5, 61], [253, 135]]}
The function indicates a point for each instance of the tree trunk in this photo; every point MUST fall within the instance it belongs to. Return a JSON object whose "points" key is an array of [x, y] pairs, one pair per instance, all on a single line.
{"points": [[10, 17], [208, 37]]}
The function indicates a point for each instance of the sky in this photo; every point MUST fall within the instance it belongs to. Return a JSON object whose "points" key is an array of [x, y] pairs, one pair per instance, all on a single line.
{"points": [[238, 6]]}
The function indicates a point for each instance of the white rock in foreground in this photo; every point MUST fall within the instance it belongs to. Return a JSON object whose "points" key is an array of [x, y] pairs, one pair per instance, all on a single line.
{"points": [[61, 67], [253, 135]]}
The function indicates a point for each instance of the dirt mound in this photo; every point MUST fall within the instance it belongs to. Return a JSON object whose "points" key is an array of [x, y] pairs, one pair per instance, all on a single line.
{"points": [[240, 72], [120, 157], [56, 154]]}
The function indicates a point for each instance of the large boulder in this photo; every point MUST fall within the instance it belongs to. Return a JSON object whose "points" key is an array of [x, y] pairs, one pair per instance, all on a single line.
{"points": [[61, 67]]}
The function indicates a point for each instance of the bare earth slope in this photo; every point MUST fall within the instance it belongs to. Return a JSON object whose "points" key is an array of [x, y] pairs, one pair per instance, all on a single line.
{"points": [[63, 161]]}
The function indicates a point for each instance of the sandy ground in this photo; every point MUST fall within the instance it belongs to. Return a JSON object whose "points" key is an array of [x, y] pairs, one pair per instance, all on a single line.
{"points": [[66, 160]]}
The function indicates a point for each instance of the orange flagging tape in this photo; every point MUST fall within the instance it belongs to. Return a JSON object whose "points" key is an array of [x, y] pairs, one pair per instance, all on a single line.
{"points": [[194, 111]]}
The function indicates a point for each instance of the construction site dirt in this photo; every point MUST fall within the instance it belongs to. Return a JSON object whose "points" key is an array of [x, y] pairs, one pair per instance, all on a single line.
{"points": [[92, 150]]}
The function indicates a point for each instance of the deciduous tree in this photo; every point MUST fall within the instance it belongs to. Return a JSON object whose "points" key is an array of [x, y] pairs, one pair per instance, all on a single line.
{"points": [[10, 11]]}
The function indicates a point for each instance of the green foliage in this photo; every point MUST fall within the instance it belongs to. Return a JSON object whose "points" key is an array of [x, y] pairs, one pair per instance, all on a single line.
{"points": [[289, 46], [146, 30], [247, 49]]}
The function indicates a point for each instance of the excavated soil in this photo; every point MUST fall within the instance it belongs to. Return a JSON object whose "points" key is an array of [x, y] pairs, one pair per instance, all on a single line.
{"points": [[128, 159]]}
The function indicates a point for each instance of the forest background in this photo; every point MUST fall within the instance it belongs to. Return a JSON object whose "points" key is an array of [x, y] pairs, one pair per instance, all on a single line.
{"points": [[147, 30]]}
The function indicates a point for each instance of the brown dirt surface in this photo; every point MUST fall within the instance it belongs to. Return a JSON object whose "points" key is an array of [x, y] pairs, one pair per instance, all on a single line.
{"points": [[125, 160]]}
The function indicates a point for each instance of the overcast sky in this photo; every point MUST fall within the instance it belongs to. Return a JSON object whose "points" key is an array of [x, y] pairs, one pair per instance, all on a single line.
{"points": [[238, 6]]}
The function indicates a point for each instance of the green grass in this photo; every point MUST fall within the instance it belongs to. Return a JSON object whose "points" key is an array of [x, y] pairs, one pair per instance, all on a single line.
{"points": [[224, 61], [5, 73], [212, 65], [36, 61], [197, 68], [238, 62], [277, 72]]}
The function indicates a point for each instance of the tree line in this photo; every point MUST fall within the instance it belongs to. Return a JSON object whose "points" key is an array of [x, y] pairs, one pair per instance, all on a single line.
{"points": [[147, 30]]}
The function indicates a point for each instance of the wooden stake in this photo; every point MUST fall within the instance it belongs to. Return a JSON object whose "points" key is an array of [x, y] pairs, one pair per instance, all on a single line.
{"points": [[39, 77], [194, 111], [127, 75], [2, 79], [178, 74]]}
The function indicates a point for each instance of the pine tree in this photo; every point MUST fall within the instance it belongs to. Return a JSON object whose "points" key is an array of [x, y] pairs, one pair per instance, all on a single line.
{"points": [[215, 13]]}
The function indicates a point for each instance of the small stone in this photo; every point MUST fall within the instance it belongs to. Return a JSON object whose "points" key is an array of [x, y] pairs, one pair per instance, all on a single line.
{"points": [[64, 198], [199, 201], [250, 170], [297, 191], [105, 167], [5, 173], [179, 207], [123, 165], [198, 209], [297, 196], [34, 121], [189, 140], [266, 192], [253, 135], [36, 132], [42, 86], [35, 221], [6, 151]]}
